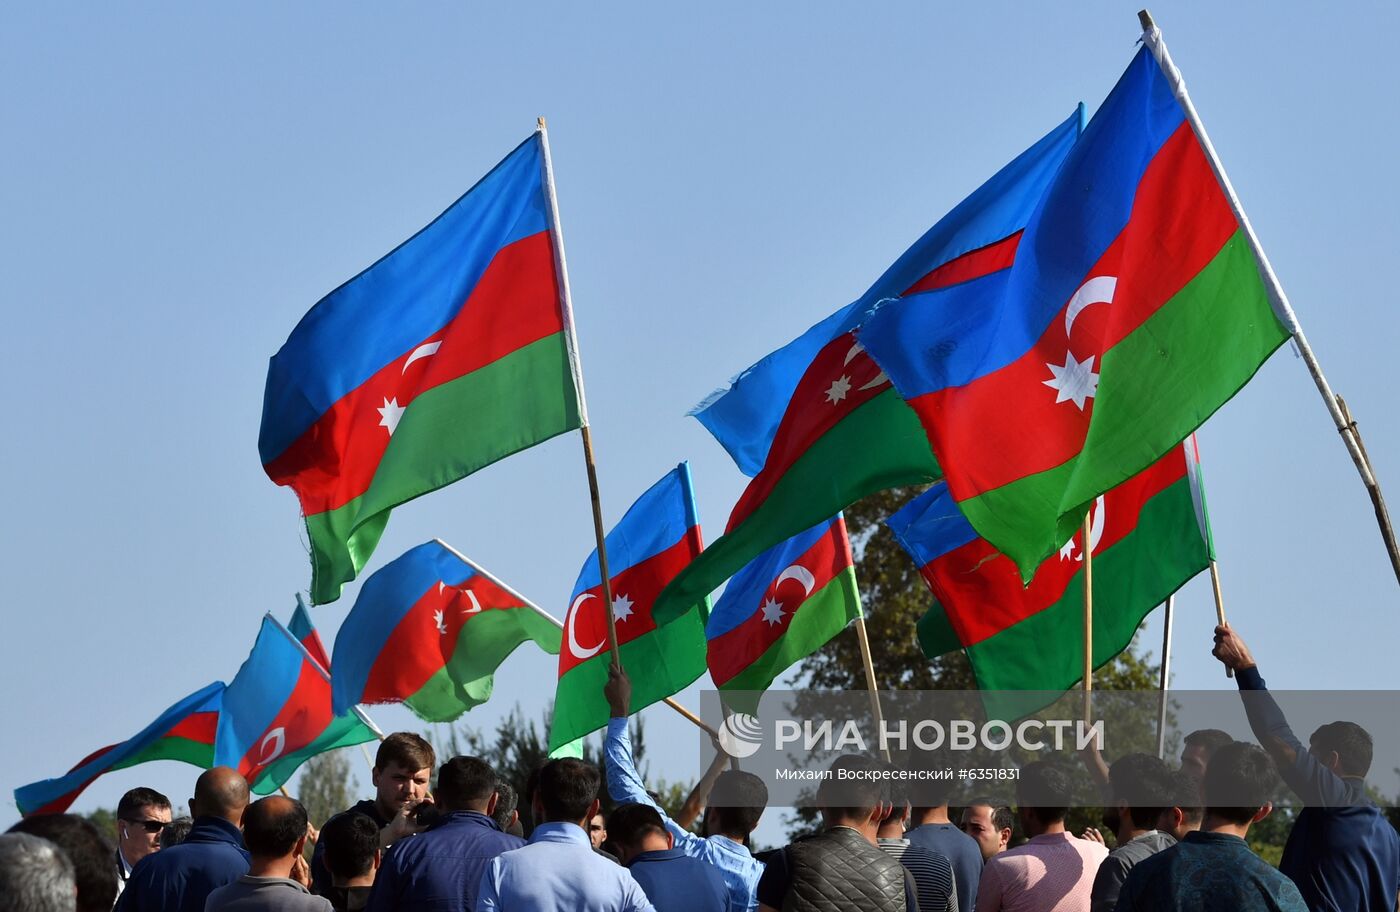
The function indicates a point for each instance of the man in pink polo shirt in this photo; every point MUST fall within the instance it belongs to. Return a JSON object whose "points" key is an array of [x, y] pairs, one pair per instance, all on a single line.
{"points": [[1054, 871]]}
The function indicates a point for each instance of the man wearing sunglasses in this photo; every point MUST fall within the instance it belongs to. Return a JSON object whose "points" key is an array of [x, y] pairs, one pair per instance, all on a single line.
{"points": [[141, 815]]}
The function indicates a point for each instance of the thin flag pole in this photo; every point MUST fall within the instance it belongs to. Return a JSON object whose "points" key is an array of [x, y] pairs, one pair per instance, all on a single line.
{"points": [[323, 672], [1219, 603], [557, 623], [1088, 552], [566, 304], [864, 638], [1165, 679], [1152, 38]]}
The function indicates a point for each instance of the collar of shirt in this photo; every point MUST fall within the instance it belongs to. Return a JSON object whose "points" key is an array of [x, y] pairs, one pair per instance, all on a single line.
{"points": [[215, 829], [467, 818], [1148, 835], [1045, 838], [729, 846], [1201, 837], [123, 869], [658, 855], [561, 832]]}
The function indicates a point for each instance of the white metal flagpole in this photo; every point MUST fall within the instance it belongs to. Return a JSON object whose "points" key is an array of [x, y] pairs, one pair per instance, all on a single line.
{"points": [[1152, 39], [1165, 679]]}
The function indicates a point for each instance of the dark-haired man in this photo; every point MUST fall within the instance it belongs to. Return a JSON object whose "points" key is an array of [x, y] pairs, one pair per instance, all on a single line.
{"points": [[353, 856], [1187, 807], [403, 769], [141, 815], [1052, 871], [842, 867], [932, 872], [671, 879], [736, 803], [931, 827], [1212, 869], [507, 813], [1197, 749], [1342, 851], [990, 825], [274, 830], [440, 869], [558, 871], [1143, 792], [86, 848], [180, 878]]}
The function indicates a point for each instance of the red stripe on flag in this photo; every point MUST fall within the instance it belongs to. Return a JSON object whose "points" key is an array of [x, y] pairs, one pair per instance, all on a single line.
{"points": [[1179, 222], [198, 727], [739, 647], [300, 721], [515, 302], [974, 264], [980, 589], [422, 643]]}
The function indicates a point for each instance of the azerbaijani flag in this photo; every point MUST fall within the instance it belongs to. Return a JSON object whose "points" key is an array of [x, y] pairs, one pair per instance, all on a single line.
{"points": [[429, 630], [183, 732], [782, 607], [451, 352], [816, 423], [1134, 310], [277, 713], [1148, 536], [301, 628], [657, 537]]}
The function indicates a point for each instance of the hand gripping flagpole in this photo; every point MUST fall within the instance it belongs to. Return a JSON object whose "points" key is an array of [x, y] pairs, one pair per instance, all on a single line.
{"points": [[1341, 417], [566, 305], [508, 589]]}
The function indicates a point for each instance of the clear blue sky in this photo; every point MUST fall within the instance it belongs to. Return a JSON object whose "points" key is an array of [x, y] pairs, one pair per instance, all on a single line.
{"points": [[178, 184]]}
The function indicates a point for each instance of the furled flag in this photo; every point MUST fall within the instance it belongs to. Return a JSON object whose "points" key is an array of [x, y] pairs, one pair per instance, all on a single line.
{"points": [[451, 352], [429, 630], [183, 732], [1133, 311], [816, 422], [656, 538], [277, 713], [784, 606], [1148, 536]]}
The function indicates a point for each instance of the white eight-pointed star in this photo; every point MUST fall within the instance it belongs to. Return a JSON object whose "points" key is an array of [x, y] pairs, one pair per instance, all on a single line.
{"points": [[390, 414], [839, 388], [622, 607], [772, 611], [1074, 381], [438, 620]]}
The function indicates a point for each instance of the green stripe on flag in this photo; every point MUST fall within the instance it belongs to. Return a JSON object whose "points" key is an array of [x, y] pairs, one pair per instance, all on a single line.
{"points": [[344, 731], [185, 750]]}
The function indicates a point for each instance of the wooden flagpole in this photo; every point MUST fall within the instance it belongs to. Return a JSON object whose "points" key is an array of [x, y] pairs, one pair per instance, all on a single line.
{"points": [[1152, 38], [1087, 549], [1165, 677], [1219, 603], [566, 305], [864, 638], [560, 624]]}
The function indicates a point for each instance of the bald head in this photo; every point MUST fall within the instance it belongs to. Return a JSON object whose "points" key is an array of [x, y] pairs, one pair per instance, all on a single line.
{"points": [[220, 792]]}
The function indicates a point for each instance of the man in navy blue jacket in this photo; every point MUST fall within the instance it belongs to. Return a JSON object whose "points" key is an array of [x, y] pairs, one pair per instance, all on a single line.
{"points": [[440, 869], [180, 878], [671, 879]]}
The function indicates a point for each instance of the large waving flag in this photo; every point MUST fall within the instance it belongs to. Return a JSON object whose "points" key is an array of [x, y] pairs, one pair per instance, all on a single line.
{"points": [[1134, 310], [816, 422], [1148, 536], [782, 607], [277, 713], [451, 352], [183, 732], [429, 630], [657, 537]]}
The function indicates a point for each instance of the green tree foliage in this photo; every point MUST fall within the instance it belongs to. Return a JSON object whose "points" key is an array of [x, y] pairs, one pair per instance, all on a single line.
{"points": [[327, 786], [106, 821]]}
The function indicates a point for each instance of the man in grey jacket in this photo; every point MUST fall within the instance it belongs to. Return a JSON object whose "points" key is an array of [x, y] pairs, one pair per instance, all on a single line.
{"points": [[274, 829], [1142, 794]]}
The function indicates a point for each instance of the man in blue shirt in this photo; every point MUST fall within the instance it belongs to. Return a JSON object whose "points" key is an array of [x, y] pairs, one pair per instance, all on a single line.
{"points": [[932, 828], [440, 869], [559, 871], [180, 878], [738, 803], [1342, 852], [671, 879]]}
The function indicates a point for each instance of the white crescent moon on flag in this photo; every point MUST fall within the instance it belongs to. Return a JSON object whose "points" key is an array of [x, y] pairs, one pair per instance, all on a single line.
{"points": [[422, 351], [1098, 290], [476, 606], [799, 573], [1096, 524], [578, 651], [269, 752]]}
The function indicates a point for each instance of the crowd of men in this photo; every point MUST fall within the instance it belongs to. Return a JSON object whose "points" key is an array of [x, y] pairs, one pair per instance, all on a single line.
{"points": [[1179, 838]]}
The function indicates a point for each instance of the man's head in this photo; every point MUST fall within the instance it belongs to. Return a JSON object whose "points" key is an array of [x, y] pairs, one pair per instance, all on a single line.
{"points": [[896, 810], [141, 814], [94, 869], [1142, 791], [506, 815], [1044, 794], [736, 804], [990, 824], [1199, 747], [35, 875], [403, 769], [174, 832], [933, 793], [566, 791], [1186, 810], [1239, 786], [274, 828], [220, 792], [350, 842], [466, 784], [638, 828], [854, 794], [597, 829], [1343, 747]]}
